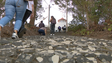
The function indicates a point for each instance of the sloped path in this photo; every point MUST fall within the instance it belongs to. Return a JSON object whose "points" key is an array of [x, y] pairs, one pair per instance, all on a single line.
{"points": [[55, 49]]}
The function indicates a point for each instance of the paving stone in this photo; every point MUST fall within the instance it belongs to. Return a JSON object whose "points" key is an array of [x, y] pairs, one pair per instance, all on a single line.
{"points": [[55, 59], [55, 49], [39, 59]]}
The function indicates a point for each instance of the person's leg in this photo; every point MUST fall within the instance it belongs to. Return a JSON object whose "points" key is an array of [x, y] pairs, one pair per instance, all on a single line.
{"points": [[59, 30], [43, 32], [9, 13], [20, 11], [39, 31], [65, 29], [53, 28], [22, 30], [26, 15]]}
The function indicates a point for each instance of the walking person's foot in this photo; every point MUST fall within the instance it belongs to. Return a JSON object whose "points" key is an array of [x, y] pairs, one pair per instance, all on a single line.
{"points": [[21, 32], [14, 35], [51, 34]]}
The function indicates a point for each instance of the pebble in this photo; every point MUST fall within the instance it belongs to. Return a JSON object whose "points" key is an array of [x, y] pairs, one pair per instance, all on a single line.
{"points": [[55, 49]]}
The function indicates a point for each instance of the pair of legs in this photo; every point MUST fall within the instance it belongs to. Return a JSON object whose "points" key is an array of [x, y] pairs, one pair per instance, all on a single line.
{"points": [[52, 28], [26, 15], [64, 29], [22, 30], [41, 32], [59, 30], [12, 7]]}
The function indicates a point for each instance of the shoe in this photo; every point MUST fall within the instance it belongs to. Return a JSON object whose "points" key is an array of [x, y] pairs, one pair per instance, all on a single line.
{"points": [[51, 34], [14, 36], [21, 32]]}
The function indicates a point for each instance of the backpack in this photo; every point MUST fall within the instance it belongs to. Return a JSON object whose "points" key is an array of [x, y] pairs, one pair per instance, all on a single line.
{"points": [[53, 21]]}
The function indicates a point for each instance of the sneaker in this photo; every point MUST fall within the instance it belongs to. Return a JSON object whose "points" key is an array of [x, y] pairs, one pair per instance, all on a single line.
{"points": [[14, 36], [51, 34], [21, 32]]}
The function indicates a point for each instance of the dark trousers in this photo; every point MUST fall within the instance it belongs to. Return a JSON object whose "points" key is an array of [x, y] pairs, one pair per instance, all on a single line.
{"points": [[59, 30], [26, 15], [41, 32], [64, 29], [52, 28]]}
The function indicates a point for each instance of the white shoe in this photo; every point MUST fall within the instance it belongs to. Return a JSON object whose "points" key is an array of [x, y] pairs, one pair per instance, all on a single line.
{"points": [[51, 34], [14, 36]]}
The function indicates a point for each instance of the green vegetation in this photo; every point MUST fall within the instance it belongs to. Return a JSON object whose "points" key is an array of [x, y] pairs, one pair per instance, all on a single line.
{"points": [[79, 30], [110, 28]]}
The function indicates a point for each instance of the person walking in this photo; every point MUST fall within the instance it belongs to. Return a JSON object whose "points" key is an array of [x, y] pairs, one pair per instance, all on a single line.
{"points": [[29, 13], [12, 7], [59, 28], [52, 26]]}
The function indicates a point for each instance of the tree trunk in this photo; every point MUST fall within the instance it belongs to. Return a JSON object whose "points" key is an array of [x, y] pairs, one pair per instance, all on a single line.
{"points": [[32, 19], [87, 20]]}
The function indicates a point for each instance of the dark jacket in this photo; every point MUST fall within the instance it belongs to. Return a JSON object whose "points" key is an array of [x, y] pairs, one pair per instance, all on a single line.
{"points": [[41, 25]]}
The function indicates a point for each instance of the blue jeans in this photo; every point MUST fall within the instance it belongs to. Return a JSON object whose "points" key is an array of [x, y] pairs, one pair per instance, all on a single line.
{"points": [[41, 32], [12, 7]]}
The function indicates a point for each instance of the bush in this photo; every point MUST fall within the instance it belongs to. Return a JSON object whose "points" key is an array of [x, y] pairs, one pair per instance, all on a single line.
{"points": [[75, 28], [110, 28], [83, 32], [80, 30]]}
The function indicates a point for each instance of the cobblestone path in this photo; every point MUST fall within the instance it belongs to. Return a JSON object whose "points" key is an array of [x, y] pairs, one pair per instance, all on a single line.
{"points": [[55, 49]]}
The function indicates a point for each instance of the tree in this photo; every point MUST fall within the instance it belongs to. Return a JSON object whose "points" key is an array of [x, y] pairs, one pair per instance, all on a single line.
{"points": [[82, 7], [1, 7], [89, 11], [37, 7]]}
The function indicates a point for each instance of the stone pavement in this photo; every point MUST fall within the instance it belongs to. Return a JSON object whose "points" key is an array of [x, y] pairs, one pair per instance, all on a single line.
{"points": [[55, 49]]}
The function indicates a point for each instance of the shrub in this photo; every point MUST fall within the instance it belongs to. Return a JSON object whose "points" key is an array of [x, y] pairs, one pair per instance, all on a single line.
{"points": [[83, 32], [75, 28]]}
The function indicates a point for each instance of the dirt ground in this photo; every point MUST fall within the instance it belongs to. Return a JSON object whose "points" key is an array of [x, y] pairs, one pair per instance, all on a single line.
{"points": [[101, 35], [8, 30]]}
